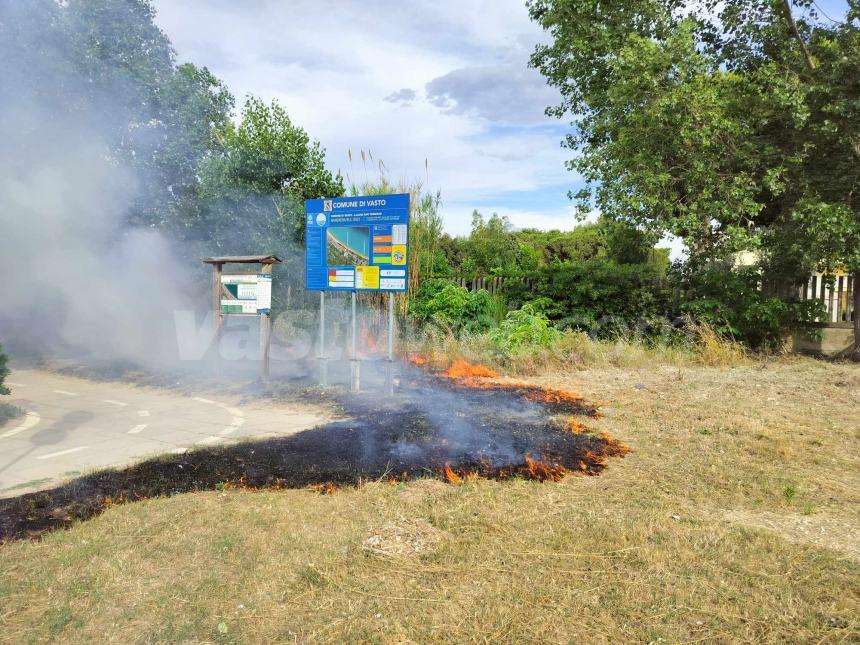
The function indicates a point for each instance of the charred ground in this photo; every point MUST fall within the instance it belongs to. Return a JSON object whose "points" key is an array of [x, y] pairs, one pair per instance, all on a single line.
{"points": [[436, 426]]}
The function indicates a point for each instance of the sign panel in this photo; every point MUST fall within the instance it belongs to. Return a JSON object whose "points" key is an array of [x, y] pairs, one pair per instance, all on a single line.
{"points": [[246, 294], [357, 243]]}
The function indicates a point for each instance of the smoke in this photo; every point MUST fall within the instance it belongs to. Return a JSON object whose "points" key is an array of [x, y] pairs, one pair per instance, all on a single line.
{"points": [[78, 280]]}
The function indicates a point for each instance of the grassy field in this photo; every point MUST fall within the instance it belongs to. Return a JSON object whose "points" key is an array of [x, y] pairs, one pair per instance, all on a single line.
{"points": [[736, 518]]}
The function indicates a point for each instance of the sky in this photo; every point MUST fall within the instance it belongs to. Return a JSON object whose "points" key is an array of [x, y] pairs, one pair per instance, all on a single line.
{"points": [[440, 91]]}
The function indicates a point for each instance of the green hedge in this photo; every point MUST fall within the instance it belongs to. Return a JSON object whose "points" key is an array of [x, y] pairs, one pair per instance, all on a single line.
{"points": [[592, 293]]}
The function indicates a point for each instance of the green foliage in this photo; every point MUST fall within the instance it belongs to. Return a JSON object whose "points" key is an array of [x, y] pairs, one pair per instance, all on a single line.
{"points": [[734, 304], [492, 246], [732, 125], [4, 372], [593, 294], [707, 122], [452, 307], [582, 243], [263, 170], [524, 328], [121, 86]]}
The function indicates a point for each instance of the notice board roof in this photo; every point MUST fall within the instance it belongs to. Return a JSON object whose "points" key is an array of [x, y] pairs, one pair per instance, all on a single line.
{"points": [[243, 259]]}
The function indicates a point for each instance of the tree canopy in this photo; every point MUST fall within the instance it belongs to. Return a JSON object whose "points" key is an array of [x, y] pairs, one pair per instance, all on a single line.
{"points": [[734, 125]]}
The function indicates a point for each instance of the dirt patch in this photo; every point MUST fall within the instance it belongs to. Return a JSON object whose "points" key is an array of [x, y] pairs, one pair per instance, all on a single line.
{"points": [[819, 529], [408, 538]]}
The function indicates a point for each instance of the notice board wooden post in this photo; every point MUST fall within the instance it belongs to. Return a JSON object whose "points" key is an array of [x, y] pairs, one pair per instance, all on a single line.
{"points": [[267, 262], [217, 318], [265, 330]]}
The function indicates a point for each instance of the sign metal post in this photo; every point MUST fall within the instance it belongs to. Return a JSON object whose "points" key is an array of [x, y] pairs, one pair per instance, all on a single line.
{"points": [[389, 368], [355, 365], [323, 359]]}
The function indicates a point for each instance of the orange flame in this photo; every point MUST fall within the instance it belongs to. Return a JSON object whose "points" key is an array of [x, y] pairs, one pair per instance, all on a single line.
{"points": [[417, 359], [450, 476], [323, 489], [461, 369], [551, 395], [613, 447], [542, 470], [367, 340], [574, 426]]}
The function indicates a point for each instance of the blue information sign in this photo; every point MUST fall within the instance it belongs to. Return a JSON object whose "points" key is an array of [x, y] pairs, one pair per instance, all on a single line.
{"points": [[357, 243]]}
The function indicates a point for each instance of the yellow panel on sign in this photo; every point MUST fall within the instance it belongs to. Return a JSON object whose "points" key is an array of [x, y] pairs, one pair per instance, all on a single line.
{"points": [[398, 254], [367, 277]]}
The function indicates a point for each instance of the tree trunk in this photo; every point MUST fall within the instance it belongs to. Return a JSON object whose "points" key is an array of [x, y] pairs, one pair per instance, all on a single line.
{"points": [[856, 299]]}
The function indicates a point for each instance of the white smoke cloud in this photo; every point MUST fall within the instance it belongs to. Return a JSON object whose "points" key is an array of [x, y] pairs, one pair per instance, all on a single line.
{"points": [[76, 280]]}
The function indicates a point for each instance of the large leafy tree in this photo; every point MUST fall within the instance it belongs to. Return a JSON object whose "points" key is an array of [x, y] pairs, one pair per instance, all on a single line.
{"points": [[161, 115], [111, 72], [733, 124], [257, 178]]}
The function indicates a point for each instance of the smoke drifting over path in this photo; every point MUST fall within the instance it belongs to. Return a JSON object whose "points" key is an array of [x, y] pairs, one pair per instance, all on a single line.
{"points": [[77, 280]]}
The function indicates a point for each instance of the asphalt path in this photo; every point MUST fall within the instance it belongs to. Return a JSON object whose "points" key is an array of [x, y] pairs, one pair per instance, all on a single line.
{"points": [[72, 426]]}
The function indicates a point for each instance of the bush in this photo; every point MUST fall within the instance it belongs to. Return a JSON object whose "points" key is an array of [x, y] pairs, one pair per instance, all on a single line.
{"points": [[451, 307], [4, 372], [733, 303], [524, 328], [595, 295]]}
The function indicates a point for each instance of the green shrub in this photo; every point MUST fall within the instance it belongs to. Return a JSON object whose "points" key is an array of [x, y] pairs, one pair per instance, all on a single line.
{"points": [[597, 296], [525, 328], [733, 303], [4, 372], [451, 307]]}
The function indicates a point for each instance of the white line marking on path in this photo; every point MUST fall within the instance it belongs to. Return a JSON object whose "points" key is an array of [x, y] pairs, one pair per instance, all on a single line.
{"points": [[202, 400], [50, 455], [112, 402], [137, 429], [13, 384], [32, 419], [236, 412], [65, 392], [143, 413], [235, 424], [208, 440]]}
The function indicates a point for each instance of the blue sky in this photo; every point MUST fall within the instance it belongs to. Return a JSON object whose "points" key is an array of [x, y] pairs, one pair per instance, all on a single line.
{"points": [[444, 81]]}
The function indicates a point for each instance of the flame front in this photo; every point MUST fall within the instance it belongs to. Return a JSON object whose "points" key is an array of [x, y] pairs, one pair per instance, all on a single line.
{"points": [[461, 369], [450, 476]]}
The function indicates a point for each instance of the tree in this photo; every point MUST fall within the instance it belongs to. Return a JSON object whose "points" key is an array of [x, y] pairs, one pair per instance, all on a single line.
{"points": [[256, 180], [492, 245], [111, 72], [733, 125]]}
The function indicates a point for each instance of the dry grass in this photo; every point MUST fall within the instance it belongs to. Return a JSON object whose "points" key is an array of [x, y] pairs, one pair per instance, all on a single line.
{"points": [[693, 537], [702, 347]]}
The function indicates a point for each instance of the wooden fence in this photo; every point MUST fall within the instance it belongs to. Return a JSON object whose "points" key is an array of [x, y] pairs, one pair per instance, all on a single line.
{"points": [[837, 297], [493, 284]]}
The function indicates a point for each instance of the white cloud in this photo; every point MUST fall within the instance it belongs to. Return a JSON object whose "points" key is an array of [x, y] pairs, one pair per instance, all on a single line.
{"points": [[560, 218], [366, 76]]}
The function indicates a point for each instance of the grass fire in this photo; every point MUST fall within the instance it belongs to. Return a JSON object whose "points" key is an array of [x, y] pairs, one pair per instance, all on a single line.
{"points": [[459, 425]]}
